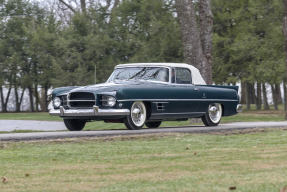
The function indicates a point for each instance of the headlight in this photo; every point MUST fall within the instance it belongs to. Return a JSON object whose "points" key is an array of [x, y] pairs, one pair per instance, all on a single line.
{"points": [[111, 101], [57, 102], [108, 100]]}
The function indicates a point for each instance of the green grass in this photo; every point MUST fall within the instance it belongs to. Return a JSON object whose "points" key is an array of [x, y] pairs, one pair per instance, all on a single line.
{"points": [[251, 162], [246, 116], [40, 116], [21, 131]]}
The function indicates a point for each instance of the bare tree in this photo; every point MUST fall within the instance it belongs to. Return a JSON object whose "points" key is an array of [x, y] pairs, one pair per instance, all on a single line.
{"points": [[66, 8], [197, 45], [285, 42], [206, 25]]}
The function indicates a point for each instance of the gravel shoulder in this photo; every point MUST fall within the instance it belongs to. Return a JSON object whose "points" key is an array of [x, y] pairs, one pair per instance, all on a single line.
{"points": [[11, 125]]}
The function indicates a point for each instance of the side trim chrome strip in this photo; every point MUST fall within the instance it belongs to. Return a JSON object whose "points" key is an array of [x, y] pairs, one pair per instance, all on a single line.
{"points": [[190, 113], [159, 100], [81, 101]]}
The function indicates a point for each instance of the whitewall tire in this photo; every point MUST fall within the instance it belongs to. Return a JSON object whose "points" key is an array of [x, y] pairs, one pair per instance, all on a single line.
{"points": [[137, 117], [213, 115]]}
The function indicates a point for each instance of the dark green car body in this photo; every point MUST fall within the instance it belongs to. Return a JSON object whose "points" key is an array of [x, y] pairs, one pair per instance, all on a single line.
{"points": [[163, 101], [179, 101]]}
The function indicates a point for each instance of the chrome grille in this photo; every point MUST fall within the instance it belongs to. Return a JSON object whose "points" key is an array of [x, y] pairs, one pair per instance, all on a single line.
{"points": [[64, 99], [104, 100], [81, 100]]}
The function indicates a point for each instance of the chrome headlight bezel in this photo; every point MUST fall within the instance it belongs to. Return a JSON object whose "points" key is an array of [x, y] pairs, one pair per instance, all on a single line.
{"points": [[57, 101], [108, 101], [111, 101]]}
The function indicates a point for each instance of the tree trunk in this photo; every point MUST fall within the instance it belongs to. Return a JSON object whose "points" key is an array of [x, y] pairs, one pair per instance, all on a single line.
{"points": [[83, 6], [31, 99], [16, 99], [192, 49], [206, 26], [258, 97], [243, 93], [18, 102], [4, 109], [42, 99], [247, 96], [252, 96], [278, 93], [285, 95], [37, 98], [46, 99], [266, 105], [21, 98], [4, 102], [284, 28], [274, 94]]}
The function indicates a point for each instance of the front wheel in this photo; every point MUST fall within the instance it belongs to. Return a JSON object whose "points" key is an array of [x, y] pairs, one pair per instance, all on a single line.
{"points": [[136, 119], [74, 124], [213, 115]]}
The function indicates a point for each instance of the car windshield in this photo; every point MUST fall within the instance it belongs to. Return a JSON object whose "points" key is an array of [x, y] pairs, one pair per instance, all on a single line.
{"points": [[140, 73]]}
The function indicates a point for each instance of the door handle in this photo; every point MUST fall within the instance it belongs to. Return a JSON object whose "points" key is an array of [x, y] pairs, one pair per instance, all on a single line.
{"points": [[196, 89]]}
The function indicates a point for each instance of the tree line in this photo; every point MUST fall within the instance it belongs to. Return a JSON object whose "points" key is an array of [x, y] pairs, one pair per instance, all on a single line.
{"points": [[61, 43]]}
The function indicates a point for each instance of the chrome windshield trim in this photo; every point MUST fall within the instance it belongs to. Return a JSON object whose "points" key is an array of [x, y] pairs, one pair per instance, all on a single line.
{"points": [[95, 111], [153, 66], [159, 100]]}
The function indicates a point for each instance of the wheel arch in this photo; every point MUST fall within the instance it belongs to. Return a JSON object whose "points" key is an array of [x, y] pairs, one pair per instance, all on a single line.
{"points": [[148, 109], [223, 109]]}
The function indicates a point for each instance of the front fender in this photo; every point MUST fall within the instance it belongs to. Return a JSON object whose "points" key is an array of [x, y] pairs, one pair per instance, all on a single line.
{"points": [[62, 91]]}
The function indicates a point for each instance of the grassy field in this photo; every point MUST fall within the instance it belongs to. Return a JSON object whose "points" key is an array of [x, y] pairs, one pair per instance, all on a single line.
{"points": [[178, 162], [246, 116]]}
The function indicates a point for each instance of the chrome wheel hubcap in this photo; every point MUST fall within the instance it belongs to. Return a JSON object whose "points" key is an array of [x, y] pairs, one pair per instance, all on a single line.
{"points": [[215, 111], [138, 114]]}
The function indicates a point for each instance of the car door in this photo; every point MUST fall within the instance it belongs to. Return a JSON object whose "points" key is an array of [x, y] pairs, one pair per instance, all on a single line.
{"points": [[184, 96]]}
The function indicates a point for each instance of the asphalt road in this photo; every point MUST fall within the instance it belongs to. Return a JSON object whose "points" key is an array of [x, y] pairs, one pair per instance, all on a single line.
{"points": [[105, 133]]}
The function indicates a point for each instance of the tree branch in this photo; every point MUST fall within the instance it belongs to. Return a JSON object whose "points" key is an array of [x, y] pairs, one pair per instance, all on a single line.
{"points": [[83, 5], [70, 7]]}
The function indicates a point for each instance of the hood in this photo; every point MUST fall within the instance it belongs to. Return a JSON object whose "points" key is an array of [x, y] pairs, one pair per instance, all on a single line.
{"points": [[110, 87], [114, 86], [104, 87]]}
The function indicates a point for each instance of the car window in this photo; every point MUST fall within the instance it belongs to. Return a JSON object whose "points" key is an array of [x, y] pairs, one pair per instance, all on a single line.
{"points": [[181, 76], [140, 73]]}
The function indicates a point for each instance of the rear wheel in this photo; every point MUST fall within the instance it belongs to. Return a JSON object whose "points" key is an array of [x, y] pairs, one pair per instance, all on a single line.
{"points": [[213, 115], [155, 124], [74, 124], [136, 119]]}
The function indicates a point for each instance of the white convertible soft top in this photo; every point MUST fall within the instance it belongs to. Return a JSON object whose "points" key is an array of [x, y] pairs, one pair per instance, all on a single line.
{"points": [[195, 74]]}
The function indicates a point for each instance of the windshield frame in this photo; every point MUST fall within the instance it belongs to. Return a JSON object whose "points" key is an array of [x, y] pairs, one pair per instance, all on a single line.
{"points": [[141, 66]]}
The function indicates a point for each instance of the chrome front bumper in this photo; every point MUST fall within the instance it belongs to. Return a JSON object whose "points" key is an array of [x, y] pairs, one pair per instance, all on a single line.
{"points": [[239, 108], [95, 111]]}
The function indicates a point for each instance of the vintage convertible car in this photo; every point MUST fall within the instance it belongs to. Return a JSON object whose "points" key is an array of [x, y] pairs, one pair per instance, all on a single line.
{"points": [[146, 94]]}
